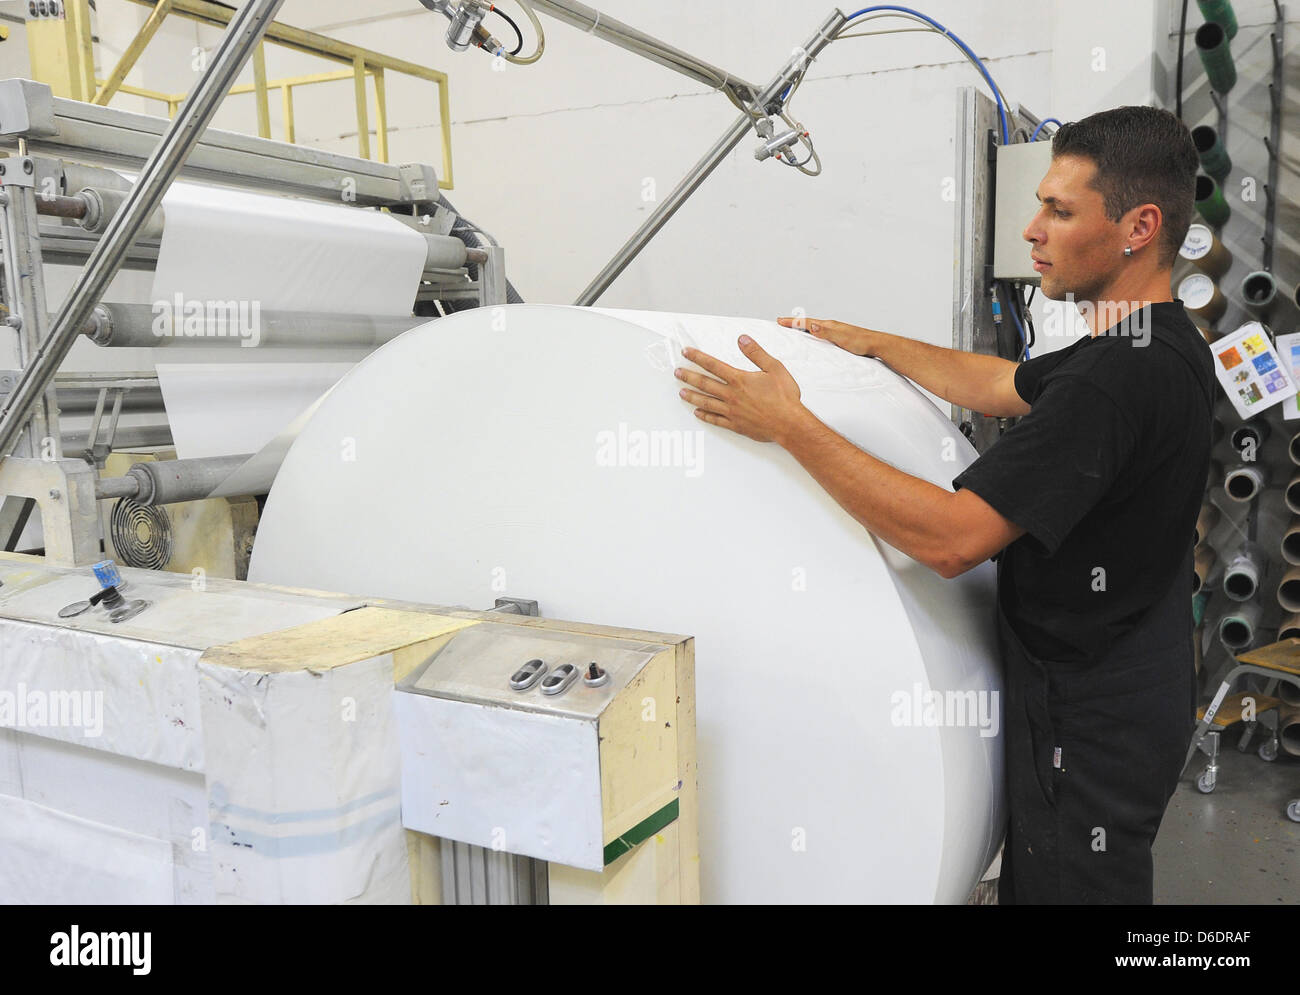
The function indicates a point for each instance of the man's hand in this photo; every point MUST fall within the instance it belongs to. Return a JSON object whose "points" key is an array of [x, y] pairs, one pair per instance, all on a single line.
{"points": [[848, 337], [762, 405]]}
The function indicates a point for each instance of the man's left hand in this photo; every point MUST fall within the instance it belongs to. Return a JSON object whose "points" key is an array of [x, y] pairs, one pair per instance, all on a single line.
{"points": [[763, 405]]}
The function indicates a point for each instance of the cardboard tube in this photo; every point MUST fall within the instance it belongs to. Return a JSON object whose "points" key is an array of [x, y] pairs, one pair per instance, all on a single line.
{"points": [[1259, 291], [1203, 250], [1202, 297], [1205, 521], [1244, 482], [1292, 494], [1241, 575], [1289, 693], [1291, 543], [1288, 591], [1238, 628], [1221, 13], [1216, 56], [1289, 627], [1213, 156], [1210, 201], [1202, 564], [1293, 449], [1248, 438], [1288, 731]]}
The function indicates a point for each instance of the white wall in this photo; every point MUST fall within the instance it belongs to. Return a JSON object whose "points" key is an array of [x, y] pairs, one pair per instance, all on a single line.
{"points": [[553, 159]]}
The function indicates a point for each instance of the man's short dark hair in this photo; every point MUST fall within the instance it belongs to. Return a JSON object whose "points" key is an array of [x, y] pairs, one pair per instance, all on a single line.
{"points": [[1143, 155]]}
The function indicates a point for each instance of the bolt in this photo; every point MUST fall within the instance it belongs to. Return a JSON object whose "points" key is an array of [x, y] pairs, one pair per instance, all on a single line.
{"points": [[14, 321]]}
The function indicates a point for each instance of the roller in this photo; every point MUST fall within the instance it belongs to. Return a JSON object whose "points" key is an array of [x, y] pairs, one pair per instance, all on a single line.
{"points": [[1203, 250], [1259, 291], [1244, 482], [1216, 57], [1202, 566], [1210, 201], [1205, 521], [1214, 157], [102, 205], [132, 326], [1241, 575], [1239, 628], [1201, 296], [560, 493], [1288, 591]]}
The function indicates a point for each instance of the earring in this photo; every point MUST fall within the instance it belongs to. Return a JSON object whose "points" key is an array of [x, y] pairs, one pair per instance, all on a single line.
{"points": [[1128, 250]]}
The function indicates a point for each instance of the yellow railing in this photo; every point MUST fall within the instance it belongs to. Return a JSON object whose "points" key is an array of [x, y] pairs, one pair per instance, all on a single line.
{"points": [[361, 64]]}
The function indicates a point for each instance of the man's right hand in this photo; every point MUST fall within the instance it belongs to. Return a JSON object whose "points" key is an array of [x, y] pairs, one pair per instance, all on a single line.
{"points": [[848, 337]]}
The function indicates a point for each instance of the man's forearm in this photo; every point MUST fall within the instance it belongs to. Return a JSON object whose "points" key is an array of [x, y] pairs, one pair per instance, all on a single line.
{"points": [[967, 379], [910, 514]]}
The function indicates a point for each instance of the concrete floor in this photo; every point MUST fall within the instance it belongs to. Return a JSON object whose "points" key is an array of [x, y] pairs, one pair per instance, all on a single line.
{"points": [[1236, 844]]}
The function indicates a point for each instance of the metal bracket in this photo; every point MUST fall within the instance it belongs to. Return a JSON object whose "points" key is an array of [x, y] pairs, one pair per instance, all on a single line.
{"points": [[17, 171], [26, 108]]}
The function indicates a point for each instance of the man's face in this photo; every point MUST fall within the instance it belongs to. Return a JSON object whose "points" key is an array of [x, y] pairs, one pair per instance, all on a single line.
{"points": [[1083, 250]]}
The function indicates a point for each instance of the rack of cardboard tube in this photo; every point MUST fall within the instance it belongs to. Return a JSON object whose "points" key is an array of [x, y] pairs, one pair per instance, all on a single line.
{"points": [[1239, 285]]}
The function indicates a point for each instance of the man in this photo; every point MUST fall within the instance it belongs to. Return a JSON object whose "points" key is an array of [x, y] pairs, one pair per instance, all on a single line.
{"points": [[1091, 498]]}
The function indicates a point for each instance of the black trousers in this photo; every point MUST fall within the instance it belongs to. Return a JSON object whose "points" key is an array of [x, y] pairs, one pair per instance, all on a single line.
{"points": [[1093, 756]]}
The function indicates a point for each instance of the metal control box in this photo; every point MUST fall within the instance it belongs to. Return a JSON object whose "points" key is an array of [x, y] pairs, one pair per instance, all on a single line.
{"points": [[1021, 167]]}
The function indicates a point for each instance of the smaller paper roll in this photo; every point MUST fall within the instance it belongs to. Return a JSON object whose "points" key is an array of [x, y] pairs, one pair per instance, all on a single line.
{"points": [[1288, 591], [1205, 521], [1201, 296], [1203, 250], [1202, 564]]}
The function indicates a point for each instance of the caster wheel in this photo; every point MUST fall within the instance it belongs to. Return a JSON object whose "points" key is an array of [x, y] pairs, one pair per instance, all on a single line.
{"points": [[1205, 783], [1268, 751], [1293, 810]]}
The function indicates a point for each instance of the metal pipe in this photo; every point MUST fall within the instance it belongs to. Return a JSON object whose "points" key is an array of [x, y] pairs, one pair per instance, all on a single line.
{"points": [[638, 42], [132, 437], [246, 28], [61, 207], [702, 169]]}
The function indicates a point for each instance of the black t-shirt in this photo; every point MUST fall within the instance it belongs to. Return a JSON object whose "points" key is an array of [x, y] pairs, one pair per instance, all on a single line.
{"points": [[1106, 473]]}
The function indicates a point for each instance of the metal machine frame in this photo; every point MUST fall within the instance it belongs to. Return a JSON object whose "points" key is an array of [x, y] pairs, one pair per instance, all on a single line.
{"points": [[46, 135]]}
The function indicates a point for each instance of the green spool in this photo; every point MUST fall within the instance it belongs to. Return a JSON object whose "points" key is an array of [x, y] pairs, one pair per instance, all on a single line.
{"points": [[1214, 157], [1210, 202], [1221, 13], [1216, 57]]}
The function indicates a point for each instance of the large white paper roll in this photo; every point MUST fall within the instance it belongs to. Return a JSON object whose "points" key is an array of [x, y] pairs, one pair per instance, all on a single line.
{"points": [[847, 697]]}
